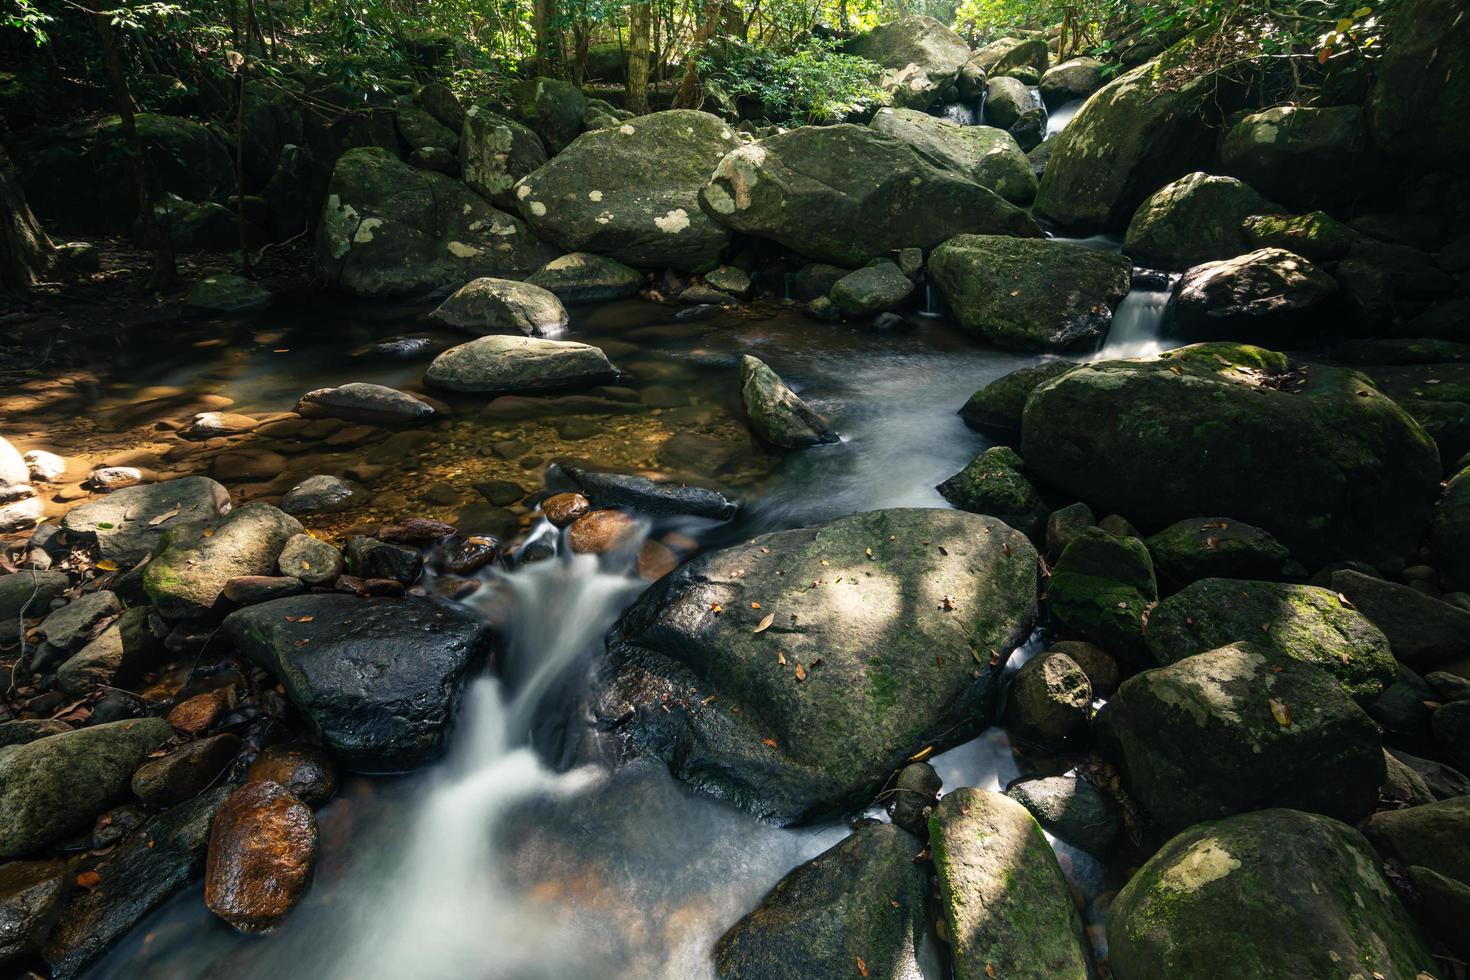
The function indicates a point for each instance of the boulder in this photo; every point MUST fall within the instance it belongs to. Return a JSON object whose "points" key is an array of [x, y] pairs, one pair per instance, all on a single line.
{"points": [[389, 230], [638, 493], [227, 293], [899, 644], [31, 896], [1444, 907], [261, 850], [503, 365], [554, 108], [439, 101], [1302, 621], [1431, 836], [1072, 809], [360, 401], [1449, 532], [1316, 236], [310, 560], [996, 409], [301, 768], [1243, 727], [1215, 547], [1317, 457], [846, 194], [321, 494], [485, 306], [1423, 631], [581, 277], [75, 624], [775, 413], [876, 288], [369, 558], [1049, 700], [983, 154], [1303, 156], [1277, 893], [1074, 79], [185, 772], [1451, 726], [1030, 294], [128, 524], [30, 592], [1006, 99], [1103, 588], [1267, 296], [55, 786], [1436, 394], [861, 901], [185, 158], [1008, 908], [922, 57], [632, 192], [1195, 219], [377, 679], [1064, 525], [495, 152], [117, 656], [1422, 86], [189, 570], [995, 483], [1030, 54]]}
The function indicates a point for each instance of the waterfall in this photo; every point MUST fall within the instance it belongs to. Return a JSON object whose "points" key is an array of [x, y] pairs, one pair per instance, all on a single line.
{"points": [[1138, 323], [1057, 121], [960, 113]]}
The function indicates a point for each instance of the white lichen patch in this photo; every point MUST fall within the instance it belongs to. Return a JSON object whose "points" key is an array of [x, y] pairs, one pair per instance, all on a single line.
{"points": [[1204, 862], [462, 251], [594, 196], [523, 192], [626, 130], [365, 230], [604, 218], [503, 230], [673, 222], [538, 208], [468, 208]]}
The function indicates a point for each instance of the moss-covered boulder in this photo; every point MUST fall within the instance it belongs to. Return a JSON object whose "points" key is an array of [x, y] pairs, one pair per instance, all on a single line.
{"points": [[1006, 99], [1313, 454], [1423, 631], [1449, 533], [1431, 836], [1030, 53], [581, 277], [1422, 86], [996, 409], [860, 901], [495, 152], [388, 229], [1103, 588], [1132, 137], [1243, 727], [1436, 394], [419, 130], [1277, 893], [554, 108], [1030, 294], [1073, 809], [1074, 79], [846, 194], [189, 570], [185, 158], [1303, 156], [922, 57], [1301, 621], [984, 154], [995, 483], [1268, 296], [1006, 903], [631, 192], [902, 622], [1049, 700], [1315, 236], [1197, 218], [1215, 547], [777, 414], [876, 288]]}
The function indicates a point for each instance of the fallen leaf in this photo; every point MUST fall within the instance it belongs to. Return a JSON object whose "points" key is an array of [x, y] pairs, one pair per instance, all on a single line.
{"points": [[769, 743], [1281, 711], [706, 702], [766, 622], [107, 565], [299, 619], [780, 658], [716, 608], [989, 970], [868, 552], [922, 754], [207, 532], [800, 672], [1345, 601], [1212, 543], [89, 880], [1176, 369], [165, 516], [755, 605], [862, 967]]}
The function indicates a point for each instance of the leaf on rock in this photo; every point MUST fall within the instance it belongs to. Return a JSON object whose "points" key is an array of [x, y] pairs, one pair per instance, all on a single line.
{"points": [[165, 516], [89, 880], [922, 754], [1281, 711], [769, 743], [765, 622], [107, 565], [862, 967], [800, 672]]}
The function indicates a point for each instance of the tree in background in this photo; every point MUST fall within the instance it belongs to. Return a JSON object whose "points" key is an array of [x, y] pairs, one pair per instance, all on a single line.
{"points": [[640, 22]]}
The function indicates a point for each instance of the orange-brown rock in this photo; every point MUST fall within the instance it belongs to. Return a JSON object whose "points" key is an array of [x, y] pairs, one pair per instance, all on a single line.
{"points": [[600, 531], [302, 768], [261, 849], [564, 508], [655, 560], [199, 714]]}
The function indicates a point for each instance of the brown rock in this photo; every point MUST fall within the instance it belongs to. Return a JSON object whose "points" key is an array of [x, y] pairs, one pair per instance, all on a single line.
{"points": [[655, 560], [199, 713], [261, 850], [302, 768], [31, 893], [564, 508], [415, 530], [185, 772], [601, 531]]}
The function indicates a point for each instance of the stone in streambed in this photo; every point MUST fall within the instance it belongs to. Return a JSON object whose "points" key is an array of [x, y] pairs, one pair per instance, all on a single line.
{"points": [[310, 560], [1071, 809], [495, 152], [872, 289], [647, 496], [184, 772], [563, 508], [1215, 547], [1074, 79], [188, 572], [247, 590], [30, 592], [1197, 218], [915, 792], [776, 414], [1049, 700], [995, 483], [31, 893], [226, 293], [75, 624], [996, 409], [128, 524], [600, 531], [502, 305], [1449, 532], [1103, 587], [1303, 156], [984, 154], [119, 654], [1432, 836], [363, 402], [501, 365], [1268, 296], [320, 494], [369, 558], [303, 769], [582, 277], [261, 850], [1451, 727]]}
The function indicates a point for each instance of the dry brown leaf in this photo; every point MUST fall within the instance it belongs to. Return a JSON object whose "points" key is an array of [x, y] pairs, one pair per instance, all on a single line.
{"points": [[765, 622], [167, 515], [780, 658], [1281, 711], [862, 967], [769, 743], [89, 880], [107, 565], [800, 672]]}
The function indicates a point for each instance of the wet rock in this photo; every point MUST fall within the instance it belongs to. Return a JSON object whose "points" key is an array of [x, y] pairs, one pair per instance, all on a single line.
{"points": [[127, 525], [22, 731], [1215, 547], [158, 860], [861, 901], [775, 413], [1103, 587], [248, 466], [30, 593], [185, 772], [302, 769], [1336, 469], [261, 850], [896, 655], [500, 365], [486, 306], [320, 495], [864, 195], [1071, 80], [118, 655], [995, 483], [583, 277], [1006, 903], [871, 289], [310, 560], [1071, 809], [1271, 894], [208, 425], [227, 293], [247, 590], [362, 402], [1269, 295], [31, 893], [416, 530], [200, 713], [600, 531], [915, 792], [731, 280], [54, 787], [188, 572], [467, 555], [922, 57], [647, 496], [983, 154], [1197, 218], [996, 408], [1030, 294], [1422, 631], [369, 558], [1240, 728], [563, 508], [1303, 156], [378, 679], [1049, 700], [701, 295]]}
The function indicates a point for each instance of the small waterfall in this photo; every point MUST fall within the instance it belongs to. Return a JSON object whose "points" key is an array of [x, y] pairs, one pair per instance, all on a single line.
{"points": [[1138, 323], [1057, 121], [961, 114], [931, 301]]}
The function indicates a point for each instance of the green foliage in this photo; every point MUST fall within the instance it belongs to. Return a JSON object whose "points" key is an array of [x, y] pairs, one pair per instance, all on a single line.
{"points": [[811, 83]]}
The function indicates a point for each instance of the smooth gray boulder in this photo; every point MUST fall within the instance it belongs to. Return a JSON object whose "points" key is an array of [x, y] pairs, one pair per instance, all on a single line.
{"points": [[987, 155], [128, 524], [484, 306], [189, 570], [360, 401], [503, 365], [582, 277], [776, 414]]}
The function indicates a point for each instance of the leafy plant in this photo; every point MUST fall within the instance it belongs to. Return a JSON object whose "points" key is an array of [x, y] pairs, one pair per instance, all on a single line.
{"points": [[813, 82]]}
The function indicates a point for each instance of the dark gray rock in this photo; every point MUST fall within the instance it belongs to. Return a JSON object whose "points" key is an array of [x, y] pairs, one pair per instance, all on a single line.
{"points": [[1072, 809], [646, 496]]}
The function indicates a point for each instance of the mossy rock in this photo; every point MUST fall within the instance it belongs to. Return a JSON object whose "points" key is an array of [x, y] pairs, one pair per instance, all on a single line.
{"points": [[1315, 236], [1103, 588], [1449, 533], [1197, 218], [1277, 893], [553, 108], [1303, 156], [1302, 621], [1432, 835], [1422, 86], [995, 483], [189, 569], [1437, 395], [1215, 547], [996, 409], [496, 152], [987, 155]]}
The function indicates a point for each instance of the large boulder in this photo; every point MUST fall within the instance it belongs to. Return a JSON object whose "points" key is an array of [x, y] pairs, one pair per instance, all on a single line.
{"points": [[922, 57], [1132, 137], [777, 414], [1243, 727], [1006, 100], [1215, 547], [988, 156], [378, 679], [996, 409], [846, 194], [883, 632], [187, 575], [1422, 86], [485, 306], [1267, 296], [876, 288], [128, 524], [1302, 156], [1431, 836], [495, 152], [504, 365], [631, 191], [1449, 533], [581, 277], [1423, 631], [1103, 588], [860, 901], [1007, 905], [1197, 218], [55, 786], [1276, 893], [995, 483], [1329, 466], [185, 157], [1031, 294], [1302, 621], [1073, 809], [388, 229], [1031, 54], [554, 108], [1074, 79]]}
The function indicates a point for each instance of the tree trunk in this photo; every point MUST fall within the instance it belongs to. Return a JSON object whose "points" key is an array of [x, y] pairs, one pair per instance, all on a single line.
{"points": [[640, 16], [26, 254], [691, 94], [244, 70], [542, 12]]}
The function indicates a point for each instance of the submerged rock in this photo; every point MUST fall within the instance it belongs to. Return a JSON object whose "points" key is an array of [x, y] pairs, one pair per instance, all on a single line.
{"points": [[984, 154], [128, 524], [501, 305], [363, 402], [647, 496], [502, 365], [903, 620], [774, 411], [261, 850], [189, 570]]}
